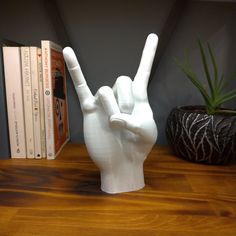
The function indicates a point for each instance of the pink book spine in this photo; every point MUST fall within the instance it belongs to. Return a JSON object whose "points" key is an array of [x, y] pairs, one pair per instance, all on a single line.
{"points": [[14, 98]]}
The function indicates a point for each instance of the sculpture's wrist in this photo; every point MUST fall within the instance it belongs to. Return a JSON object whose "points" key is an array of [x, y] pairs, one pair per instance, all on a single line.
{"points": [[125, 178]]}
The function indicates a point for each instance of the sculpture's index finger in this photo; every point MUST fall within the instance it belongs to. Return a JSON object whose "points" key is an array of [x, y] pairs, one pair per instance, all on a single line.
{"points": [[73, 66], [149, 52], [151, 42], [147, 58]]}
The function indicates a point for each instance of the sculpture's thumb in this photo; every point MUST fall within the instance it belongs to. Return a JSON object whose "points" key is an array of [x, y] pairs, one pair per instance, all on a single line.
{"points": [[146, 129], [121, 120]]}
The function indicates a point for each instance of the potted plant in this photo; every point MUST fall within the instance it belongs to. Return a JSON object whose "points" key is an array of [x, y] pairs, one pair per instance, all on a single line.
{"points": [[205, 134]]}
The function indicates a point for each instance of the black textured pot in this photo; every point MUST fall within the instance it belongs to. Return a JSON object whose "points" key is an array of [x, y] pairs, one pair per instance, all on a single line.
{"points": [[199, 137]]}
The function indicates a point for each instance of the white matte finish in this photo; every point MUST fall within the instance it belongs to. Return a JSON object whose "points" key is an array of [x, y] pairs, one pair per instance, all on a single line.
{"points": [[119, 128]]}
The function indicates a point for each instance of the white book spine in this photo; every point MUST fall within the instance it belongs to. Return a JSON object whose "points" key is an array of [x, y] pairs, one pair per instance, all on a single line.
{"points": [[27, 98], [48, 99], [14, 97], [35, 102], [41, 101]]}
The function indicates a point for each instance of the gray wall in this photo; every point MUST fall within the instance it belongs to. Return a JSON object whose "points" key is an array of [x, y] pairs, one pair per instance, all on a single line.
{"points": [[209, 21], [108, 38], [26, 22]]}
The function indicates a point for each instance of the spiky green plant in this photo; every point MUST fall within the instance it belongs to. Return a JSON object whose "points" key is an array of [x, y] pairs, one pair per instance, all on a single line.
{"points": [[214, 96]]}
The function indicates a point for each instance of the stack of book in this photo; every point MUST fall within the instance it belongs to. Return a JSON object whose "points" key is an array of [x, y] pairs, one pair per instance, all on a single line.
{"points": [[36, 98]]}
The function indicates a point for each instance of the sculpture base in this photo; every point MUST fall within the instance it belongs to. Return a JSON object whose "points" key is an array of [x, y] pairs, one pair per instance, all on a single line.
{"points": [[127, 178]]}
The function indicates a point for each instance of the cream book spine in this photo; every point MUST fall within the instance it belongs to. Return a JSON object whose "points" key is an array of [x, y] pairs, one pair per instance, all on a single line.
{"points": [[55, 98], [14, 98], [35, 102], [41, 101], [48, 102], [27, 98]]}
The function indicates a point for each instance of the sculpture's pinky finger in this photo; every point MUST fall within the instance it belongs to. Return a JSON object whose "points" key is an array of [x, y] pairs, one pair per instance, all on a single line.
{"points": [[73, 66], [85, 96]]}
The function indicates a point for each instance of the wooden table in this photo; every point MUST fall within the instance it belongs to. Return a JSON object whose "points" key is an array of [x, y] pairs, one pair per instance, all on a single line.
{"points": [[63, 198]]}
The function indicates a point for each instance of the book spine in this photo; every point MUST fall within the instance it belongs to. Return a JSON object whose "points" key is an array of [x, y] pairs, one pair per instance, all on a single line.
{"points": [[48, 98], [35, 102], [14, 98], [27, 97], [41, 101], [4, 140]]}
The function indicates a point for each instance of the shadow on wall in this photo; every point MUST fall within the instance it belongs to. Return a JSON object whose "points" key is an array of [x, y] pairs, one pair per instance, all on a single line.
{"points": [[108, 38]]}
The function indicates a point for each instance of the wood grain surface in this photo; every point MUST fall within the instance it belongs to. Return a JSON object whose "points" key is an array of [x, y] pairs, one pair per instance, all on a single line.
{"points": [[62, 197]]}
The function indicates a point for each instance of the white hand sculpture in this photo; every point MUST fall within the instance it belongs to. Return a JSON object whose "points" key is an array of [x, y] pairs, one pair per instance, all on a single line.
{"points": [[119, 128]]}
